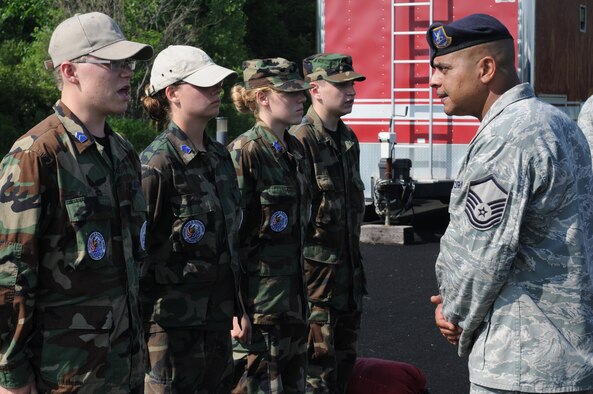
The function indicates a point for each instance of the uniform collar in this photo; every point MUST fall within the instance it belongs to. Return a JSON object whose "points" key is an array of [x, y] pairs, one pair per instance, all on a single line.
{"points": [[517, 93], [81, 137], [323, 136], [274, 145], [184, 146]]}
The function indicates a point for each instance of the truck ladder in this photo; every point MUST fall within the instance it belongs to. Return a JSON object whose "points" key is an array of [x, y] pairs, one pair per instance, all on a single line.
{"points": [[396, 61]]}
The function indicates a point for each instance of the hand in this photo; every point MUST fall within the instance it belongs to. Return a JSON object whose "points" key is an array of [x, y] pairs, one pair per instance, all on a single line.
{"points": [[450, 331], [242, 332], [28, 389]]}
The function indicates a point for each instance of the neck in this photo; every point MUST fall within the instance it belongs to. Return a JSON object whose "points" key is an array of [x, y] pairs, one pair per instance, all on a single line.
{"points": [[329, 120], [277, 127], [497, 90], [194, 129], [93, 121]]}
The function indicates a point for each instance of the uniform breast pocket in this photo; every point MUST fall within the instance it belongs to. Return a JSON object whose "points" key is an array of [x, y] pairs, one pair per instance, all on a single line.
{"points": [[194, 223], [90, 218], [279, 211]]}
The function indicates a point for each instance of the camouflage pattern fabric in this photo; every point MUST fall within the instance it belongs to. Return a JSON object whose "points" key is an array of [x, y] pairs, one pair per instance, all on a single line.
{"points": [[192, 272], [189, 360], [585, 121], [276, 73], [276, 362], [515, 264], [333, 67], [333, 262], [332, 349], [71, 219], [275, 200], [276, 207]]}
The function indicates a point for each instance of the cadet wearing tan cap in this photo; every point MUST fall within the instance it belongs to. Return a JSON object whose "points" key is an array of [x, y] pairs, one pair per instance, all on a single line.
{"points": [[71, 218], [189, 288], [333, 265], [271, 171]]}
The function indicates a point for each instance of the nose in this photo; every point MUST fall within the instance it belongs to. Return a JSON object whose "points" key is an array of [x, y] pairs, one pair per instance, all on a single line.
{"points": [[216, 89], [301, 98], [435, 80], [126, 72]]}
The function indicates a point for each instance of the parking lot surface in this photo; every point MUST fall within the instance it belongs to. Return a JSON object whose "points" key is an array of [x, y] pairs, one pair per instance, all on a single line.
{"points": [[398, 319]]}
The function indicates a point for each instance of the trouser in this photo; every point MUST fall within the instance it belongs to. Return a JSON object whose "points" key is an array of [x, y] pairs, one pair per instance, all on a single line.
{"points": [[189, 360], [276, 360], [332, 348]]}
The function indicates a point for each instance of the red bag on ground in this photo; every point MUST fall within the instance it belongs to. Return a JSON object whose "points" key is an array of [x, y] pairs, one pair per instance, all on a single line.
{"points": [[376, 376]]}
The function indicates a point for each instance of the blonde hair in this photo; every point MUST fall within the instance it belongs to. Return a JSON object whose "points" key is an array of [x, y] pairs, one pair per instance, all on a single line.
{"points": [[157, 106], [245, 99]]}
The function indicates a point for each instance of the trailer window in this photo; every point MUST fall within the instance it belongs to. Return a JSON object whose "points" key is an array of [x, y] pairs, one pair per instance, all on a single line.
{"points": [[583, 18]]}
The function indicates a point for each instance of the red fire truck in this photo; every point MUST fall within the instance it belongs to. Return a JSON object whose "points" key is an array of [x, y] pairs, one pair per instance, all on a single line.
{"points": [[387, 41]]}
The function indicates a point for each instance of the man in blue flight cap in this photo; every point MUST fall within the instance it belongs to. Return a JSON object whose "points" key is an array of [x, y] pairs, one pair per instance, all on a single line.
{"points": [[514, 268]]}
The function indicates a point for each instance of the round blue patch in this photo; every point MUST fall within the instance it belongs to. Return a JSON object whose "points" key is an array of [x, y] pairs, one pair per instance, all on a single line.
{"points": [[193, 231], [95, 245], [278, 221], [143, 235]]}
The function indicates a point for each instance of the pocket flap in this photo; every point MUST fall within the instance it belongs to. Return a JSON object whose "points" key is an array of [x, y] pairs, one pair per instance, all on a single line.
{"points": [[193, 271], [90, 208], [278, 194], [77, 317], [189, 205]]}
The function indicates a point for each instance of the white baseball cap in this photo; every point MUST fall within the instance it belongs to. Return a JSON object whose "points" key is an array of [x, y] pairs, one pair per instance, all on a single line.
{"points": [[185, 63], [93, 34]]}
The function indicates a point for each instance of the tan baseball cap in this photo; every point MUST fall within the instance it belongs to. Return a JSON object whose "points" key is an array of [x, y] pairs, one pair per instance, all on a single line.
{"points": [[188, 64], [93, 34]]}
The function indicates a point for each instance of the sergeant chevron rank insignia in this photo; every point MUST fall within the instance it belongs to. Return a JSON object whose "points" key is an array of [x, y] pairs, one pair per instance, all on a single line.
{"points": [[486, 202]]}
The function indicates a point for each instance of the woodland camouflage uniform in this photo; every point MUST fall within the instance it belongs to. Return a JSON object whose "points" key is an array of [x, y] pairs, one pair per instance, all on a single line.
{"points": [[333, 263], [70, 224], [191, 283]]}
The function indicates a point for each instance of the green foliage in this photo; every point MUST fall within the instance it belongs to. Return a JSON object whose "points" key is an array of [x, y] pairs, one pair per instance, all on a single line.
{"points": [[138, 131], [281, 28]]}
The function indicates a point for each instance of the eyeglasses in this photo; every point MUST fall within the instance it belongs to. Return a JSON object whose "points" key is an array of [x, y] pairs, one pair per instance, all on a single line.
{"points": [[114, 65]]}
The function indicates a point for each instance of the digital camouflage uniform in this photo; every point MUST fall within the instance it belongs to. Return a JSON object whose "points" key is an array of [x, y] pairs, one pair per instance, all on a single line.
{"points": [[585, 121], [515, 264], [333, 263], [274, 191], [70, 238], [191, 284]]}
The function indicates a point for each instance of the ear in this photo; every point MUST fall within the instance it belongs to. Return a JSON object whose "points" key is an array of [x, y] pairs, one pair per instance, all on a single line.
{"points": [[262, 98], [487, 69], [314, 90], [69, 72], [172, 94]]}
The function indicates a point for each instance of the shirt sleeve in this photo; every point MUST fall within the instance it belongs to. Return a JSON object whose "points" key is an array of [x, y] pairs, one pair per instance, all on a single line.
{"points": [[21, 203]]}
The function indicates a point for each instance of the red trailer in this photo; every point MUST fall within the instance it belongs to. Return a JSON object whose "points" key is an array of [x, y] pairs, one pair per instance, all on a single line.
{"points": [[387, 41]]}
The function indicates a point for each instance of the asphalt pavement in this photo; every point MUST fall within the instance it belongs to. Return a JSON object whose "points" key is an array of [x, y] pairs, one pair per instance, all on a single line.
{"points": [[398, 318]]}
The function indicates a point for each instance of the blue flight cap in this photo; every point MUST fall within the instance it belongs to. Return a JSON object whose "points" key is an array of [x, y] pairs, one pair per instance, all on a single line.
{"points": [[463, 33]]}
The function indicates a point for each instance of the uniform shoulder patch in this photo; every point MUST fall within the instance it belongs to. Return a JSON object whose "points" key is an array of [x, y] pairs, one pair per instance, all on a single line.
{"points": [[486, 203]]}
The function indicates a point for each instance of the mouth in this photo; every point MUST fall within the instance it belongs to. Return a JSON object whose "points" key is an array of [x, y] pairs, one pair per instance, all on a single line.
{"points": [[125, 91]]}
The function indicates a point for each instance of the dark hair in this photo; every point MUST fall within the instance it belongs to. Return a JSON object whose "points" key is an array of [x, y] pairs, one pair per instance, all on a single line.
{"points": [[157, 106]]}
